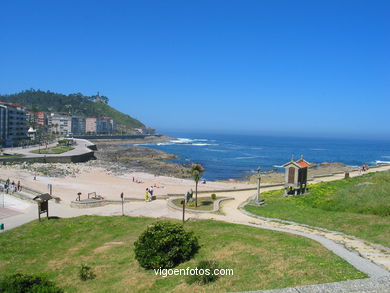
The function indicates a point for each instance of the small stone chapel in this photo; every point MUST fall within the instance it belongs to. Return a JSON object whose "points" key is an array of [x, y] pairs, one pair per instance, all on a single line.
{"points": [[295, 176]]}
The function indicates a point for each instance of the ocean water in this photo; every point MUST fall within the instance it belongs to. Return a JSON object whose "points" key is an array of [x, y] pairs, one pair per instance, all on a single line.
{"points": [[237, 156]]}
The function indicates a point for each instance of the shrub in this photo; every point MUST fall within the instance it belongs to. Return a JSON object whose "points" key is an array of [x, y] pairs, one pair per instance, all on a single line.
{"points": [[205, 273], [86, 273], [19, 283], [165, 245], [213, 196]]}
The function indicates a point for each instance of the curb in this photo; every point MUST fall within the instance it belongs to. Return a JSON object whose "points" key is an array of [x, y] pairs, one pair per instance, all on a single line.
{"points": [[189, 210]]}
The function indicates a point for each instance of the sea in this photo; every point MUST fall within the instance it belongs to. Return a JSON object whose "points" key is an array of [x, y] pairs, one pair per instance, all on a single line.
{"points": [[234, 156]]}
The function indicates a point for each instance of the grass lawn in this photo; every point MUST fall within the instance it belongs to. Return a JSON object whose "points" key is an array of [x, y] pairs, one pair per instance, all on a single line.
{"points": [[260, 259], [204, 203], [357, 206], [54, 150]]}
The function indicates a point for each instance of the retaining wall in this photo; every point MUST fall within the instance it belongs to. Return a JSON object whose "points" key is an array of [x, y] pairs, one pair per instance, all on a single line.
{"points": [[115, 136], [52, 159]]}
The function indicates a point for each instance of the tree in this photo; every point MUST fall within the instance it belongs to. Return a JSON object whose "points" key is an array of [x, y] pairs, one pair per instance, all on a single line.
{"points": [[28, 283], [165, 245], [196, 173]]}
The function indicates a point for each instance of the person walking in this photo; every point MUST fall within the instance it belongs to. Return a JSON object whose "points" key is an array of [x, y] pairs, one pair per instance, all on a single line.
{"points": [[147, 194], [151, 192]]}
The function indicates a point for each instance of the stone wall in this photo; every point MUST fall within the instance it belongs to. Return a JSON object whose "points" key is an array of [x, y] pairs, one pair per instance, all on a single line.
{"points": [[52, 159]]}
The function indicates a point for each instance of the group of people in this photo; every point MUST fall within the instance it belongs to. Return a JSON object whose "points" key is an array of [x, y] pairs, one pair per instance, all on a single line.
{"points": [[149, 194], [137, 181], [11, 186], [363, 168]]}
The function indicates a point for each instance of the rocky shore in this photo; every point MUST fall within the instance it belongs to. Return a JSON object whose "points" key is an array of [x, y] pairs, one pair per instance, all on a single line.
{"points": [[123, 156]]}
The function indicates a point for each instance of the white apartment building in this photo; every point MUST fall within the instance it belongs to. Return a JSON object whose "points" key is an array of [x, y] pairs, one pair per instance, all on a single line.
{"points": [[59, 124], [13, 124]]}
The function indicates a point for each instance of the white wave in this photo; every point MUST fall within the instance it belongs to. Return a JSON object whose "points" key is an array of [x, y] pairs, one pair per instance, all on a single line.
{"points": [[386, 157], [182, 141], [248, 157], [203, 144], [256, 148], [381, 162], [200, 139], [277, 166], [219, 151], [318, 149]]}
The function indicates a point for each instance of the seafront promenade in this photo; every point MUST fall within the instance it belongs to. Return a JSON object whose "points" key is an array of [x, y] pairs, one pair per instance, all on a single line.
{"points": [[83, 150], [367, 257]]}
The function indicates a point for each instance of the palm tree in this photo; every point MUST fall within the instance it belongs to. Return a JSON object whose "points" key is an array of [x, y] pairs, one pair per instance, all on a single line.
{"points": [[196, 173]]}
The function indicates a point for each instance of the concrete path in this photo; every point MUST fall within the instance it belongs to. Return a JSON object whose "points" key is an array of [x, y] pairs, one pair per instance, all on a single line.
{"points": [[372, 285], [81, 147], [366, 257]]}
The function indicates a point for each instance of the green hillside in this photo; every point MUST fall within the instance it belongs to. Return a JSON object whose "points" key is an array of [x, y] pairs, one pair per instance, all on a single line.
{"points": [[73, 104]]}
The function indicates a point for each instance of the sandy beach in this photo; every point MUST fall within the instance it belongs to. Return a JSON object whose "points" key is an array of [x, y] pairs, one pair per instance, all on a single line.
{"points": [[87, 179]]}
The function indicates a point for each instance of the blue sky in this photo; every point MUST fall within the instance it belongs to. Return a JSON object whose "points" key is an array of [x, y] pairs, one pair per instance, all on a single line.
{"points": [[267, 67]]}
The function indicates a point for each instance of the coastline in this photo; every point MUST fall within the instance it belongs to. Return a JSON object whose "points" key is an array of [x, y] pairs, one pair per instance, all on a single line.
{"points": [[124, 156], [127, 166], [85, 178]]}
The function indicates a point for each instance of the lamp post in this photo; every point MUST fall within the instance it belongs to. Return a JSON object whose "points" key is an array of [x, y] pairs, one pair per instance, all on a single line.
{"points": [[123, 213], [258, 186], [183, 202]]}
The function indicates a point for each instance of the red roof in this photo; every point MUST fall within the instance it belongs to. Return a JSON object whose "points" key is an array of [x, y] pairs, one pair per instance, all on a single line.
{"points": [[302, 163], [11, 104]]}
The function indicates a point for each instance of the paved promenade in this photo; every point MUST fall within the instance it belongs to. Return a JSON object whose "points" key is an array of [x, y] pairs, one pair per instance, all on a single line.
{"points": [[366, 257], [80, 148]]}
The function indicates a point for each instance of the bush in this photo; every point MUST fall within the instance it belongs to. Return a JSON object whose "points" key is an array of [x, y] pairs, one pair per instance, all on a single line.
{"points": [[86, 273], [19, 283], [205, 273], [165, 245], [213, 196]]}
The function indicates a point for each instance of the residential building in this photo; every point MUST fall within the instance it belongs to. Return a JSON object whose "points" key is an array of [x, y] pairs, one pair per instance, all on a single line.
{"points": [[113, 125], [37, 119], [78, 125], [90, 125], [59, 124], [13, 124], [41, 118], [100, 125]]}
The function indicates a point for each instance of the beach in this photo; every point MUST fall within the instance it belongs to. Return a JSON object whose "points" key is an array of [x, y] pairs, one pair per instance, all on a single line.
{"points": [[127, 166], [87, 179]]}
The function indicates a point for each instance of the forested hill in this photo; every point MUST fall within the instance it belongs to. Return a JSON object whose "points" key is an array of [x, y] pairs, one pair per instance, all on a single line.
{"points": [[73, 104]]}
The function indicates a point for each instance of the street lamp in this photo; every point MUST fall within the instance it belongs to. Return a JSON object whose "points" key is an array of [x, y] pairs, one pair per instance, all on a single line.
{"points": [[122, 198], [258, 186]]}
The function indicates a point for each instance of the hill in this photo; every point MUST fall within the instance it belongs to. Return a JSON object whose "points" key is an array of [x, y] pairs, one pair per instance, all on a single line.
{"points": [[73, 104]]}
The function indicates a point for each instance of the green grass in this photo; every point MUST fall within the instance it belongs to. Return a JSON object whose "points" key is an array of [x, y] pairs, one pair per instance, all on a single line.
{"points": [[204, 203], [54, 150], [261, 259], [343, 205]]}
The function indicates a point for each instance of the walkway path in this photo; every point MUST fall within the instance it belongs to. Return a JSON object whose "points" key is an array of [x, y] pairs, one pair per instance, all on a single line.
{"points": [[81, 147], [371, 259]]}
